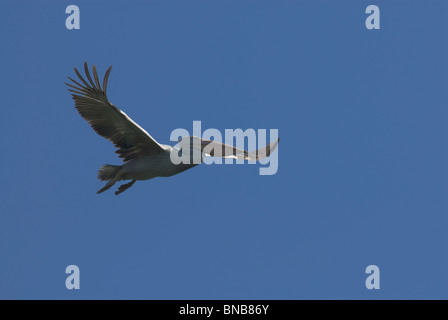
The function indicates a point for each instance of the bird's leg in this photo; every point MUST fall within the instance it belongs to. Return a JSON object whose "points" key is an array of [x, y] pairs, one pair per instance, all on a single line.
{"points": [[109, 184], [124, 187]]}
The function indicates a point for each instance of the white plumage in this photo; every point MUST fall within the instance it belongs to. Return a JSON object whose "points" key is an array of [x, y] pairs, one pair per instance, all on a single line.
{"points": [[144, 158]]}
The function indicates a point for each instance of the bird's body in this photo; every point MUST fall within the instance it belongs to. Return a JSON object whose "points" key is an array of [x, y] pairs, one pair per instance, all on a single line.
{"points": [[149, 167], [144, 158]]}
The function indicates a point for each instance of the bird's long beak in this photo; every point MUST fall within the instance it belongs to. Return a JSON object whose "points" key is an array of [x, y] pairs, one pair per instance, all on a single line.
{"points": [[205, 142]]}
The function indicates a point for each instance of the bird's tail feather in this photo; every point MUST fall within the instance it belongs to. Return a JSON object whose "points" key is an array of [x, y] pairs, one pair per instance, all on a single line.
{"points": [[108, 172], [111, 173]]}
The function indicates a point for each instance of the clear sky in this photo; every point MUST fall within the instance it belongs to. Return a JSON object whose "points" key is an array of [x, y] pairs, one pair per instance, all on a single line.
{"points": [[362, 158]]}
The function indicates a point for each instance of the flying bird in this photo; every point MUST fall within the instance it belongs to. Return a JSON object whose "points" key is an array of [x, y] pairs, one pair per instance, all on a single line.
{"points": [[144, 158]]}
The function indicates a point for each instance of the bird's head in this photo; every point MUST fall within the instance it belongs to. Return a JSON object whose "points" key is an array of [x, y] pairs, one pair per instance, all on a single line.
{"points": [[193, 143]]}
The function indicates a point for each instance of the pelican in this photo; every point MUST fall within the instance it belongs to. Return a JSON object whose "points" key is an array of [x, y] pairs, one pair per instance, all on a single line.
{"points": [[143, 157]]}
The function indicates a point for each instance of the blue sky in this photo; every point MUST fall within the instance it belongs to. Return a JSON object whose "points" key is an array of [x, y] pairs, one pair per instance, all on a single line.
{"points": [[362, 158]]}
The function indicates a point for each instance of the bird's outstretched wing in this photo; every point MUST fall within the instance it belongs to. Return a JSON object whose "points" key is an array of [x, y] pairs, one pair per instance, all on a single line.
{"points": [[217, 149], [107, 120]]}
